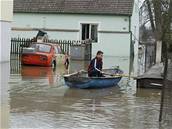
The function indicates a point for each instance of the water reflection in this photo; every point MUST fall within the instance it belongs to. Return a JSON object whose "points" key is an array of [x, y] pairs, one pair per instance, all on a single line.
{"points": [[40, 99], [47, 75], [78, 65], [52, 76], [75, 108]]}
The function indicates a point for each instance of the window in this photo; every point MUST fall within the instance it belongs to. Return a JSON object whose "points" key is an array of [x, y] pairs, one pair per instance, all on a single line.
{"points": [[41, 47], [89, 31], [58, 50]]}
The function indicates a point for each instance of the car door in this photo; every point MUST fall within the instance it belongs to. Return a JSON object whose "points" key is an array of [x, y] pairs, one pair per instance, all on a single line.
{"points": [[60, 57]]}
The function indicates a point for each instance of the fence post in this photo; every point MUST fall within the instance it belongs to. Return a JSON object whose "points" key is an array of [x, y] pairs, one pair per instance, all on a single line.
{"points": [[11, 45]]}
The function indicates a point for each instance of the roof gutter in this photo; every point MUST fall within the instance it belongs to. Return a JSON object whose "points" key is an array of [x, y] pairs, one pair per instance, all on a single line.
{"points": [[77, 13]]}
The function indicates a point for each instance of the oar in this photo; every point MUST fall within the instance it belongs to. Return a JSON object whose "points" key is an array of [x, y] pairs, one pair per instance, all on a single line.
{"points": [[122, 75]]}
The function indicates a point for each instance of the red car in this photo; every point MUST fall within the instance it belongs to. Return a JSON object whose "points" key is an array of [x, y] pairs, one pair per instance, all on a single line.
{"points": [[43, 54]]}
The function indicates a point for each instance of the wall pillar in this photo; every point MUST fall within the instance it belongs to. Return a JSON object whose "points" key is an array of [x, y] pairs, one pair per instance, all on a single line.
{"points": [[6, 14], [5, 28], [158, 51]]}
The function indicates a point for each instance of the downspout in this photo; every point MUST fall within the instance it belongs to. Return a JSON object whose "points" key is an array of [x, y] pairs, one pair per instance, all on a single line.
{"points": [[131, 60]]}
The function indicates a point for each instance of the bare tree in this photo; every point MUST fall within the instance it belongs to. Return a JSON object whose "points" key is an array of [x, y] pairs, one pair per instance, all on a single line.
{"points": [[160, 15], [150, 14]]}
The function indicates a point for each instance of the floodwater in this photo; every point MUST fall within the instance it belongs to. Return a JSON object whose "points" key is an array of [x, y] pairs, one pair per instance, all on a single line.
{"points": [[37, 98]]}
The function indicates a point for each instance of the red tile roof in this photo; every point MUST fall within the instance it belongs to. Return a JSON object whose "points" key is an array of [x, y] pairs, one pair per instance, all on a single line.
{"points": [[114, 7]]}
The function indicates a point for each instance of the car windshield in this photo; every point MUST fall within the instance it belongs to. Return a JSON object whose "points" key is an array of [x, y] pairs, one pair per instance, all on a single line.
{"points": [[41, 47]]}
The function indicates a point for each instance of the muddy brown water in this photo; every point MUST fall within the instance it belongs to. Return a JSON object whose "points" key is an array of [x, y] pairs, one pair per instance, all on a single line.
{"points": [[37, 98]]}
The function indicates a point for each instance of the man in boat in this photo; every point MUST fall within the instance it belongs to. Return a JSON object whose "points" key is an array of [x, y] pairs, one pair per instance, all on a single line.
{"points": [[96, 65]]}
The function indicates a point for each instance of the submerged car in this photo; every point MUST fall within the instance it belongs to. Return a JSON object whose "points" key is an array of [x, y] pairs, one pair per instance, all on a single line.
{"points": [[42, 54]]}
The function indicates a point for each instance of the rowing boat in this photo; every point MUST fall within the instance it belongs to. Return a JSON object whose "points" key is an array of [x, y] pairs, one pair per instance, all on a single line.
{"points": [[81, 80]]}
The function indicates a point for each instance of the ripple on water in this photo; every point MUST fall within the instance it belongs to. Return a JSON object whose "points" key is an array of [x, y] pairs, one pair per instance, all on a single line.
{"points": [[43, 102]]}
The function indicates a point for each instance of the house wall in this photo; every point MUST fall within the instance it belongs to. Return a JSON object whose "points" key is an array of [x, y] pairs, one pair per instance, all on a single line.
{"points": [[135, 32], [113, 31], [6, 14], [6, 10]]}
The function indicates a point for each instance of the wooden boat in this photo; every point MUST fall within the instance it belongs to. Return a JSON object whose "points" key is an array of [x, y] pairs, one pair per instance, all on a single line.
{"points": [[82, 81]]}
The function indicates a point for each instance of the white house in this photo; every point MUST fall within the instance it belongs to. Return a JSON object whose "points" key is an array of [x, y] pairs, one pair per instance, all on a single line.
{"points": [[6, 13], [113, 25], [110, 23]]}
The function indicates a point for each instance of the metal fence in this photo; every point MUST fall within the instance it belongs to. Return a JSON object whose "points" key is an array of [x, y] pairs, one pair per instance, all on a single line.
{"points": [[147, 55], [150, 54], [17, 44]]}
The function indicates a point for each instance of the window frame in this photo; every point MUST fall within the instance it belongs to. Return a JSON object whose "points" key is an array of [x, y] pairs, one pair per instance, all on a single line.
{"points": [[90, 27]]}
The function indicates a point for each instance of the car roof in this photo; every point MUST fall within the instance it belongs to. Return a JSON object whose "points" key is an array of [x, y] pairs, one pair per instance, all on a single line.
{"points": [[46, 43]]}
